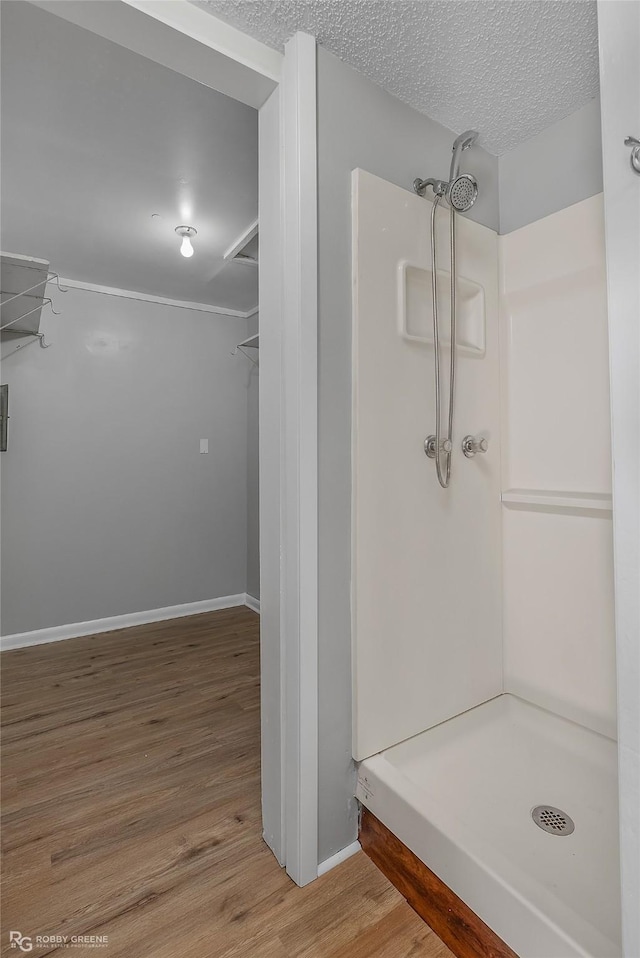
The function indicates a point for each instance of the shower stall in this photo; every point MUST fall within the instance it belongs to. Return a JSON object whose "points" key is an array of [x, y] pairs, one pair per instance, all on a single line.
{"points": [[482, 591]]}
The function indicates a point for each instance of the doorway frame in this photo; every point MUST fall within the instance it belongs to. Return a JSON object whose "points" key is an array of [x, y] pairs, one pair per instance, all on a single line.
{"points": [[282, 87], [618, 39]]}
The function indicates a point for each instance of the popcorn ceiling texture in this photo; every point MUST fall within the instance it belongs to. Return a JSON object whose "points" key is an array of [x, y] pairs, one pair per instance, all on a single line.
{"points": [[508, 68]]}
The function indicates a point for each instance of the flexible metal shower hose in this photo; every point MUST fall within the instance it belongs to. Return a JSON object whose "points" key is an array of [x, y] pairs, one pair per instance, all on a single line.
{"points": [[443, 478]]}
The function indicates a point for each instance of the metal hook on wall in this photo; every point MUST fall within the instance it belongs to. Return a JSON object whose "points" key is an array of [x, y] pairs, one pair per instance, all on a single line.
{"points": [[50, 278], [56, 279], [38, 336]]}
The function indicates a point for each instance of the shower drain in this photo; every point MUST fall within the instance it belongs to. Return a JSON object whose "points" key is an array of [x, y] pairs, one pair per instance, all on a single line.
{"points": [[552, 820]]}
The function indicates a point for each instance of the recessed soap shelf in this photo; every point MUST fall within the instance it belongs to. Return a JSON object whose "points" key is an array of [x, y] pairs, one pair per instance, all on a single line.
{"points": [[415, 308]]}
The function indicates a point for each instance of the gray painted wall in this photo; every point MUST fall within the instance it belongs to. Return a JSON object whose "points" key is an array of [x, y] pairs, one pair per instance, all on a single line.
{"points": [[108, 507], [359, 125], [253, 485], [555, 169]]}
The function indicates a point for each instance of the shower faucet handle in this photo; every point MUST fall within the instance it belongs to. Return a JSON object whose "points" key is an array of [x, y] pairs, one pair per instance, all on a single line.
{"points": [[634, 143], [430, 446], [471, 445]]}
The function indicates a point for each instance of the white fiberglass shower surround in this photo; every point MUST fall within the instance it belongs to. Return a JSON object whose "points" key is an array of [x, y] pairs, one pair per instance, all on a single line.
{"points": [[483, 628]]}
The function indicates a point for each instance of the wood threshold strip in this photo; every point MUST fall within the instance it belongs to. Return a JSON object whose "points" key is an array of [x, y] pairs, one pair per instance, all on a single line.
{"points": [[454, 922]]}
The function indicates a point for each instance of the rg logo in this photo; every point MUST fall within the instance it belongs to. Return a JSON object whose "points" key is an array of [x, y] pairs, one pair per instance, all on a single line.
{"points": [[20, 941]]}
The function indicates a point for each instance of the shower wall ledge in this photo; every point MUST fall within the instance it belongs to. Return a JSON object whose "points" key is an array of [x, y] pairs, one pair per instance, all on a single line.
{"points": [[564, 500]]}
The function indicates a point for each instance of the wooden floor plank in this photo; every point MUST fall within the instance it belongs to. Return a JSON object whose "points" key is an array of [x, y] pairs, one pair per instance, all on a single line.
{"points": [[131, 808]]}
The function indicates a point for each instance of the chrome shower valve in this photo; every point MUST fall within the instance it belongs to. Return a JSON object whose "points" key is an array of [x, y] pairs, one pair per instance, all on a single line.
{"points": [[471, 445], [634, 143], [430, 446]]}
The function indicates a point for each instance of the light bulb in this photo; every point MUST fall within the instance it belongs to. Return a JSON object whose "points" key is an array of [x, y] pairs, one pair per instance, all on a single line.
{"points": [[186, 232]]}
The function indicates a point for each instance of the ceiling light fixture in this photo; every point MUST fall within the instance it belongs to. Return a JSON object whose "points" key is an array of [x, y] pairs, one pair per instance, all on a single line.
{"points": [[186, 232]]}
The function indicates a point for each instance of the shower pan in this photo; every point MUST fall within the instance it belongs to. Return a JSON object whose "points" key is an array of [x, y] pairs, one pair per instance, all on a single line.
{"points": [[462, 797]]}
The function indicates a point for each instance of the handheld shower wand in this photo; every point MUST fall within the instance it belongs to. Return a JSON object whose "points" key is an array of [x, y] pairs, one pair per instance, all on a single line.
{"points": [[462, 189], [460, 144]]}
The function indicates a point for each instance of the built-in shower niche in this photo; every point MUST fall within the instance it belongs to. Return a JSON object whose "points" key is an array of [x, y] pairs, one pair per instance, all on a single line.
{"points": [[415, 308]]}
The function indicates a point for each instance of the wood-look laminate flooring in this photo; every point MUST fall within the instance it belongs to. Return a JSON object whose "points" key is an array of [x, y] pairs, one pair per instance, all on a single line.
{"points": [[131, 808]]}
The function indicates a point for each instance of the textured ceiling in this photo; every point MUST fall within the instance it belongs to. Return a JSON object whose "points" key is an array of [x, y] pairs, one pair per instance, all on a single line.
{"points": [[508, 68], [96, 139]]}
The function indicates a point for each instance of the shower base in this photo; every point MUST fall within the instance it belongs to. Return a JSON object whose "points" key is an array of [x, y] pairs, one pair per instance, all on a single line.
{"points": [[460, 797]]}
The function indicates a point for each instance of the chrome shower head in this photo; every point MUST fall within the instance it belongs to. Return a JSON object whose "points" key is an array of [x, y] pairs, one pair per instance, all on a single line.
{"points": [[462, 192], [462, 142]]}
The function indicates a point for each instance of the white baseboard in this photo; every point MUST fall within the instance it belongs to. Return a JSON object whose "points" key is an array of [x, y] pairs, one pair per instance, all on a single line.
{"points": [[252, 603], [338, 858], [59, 632]]}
